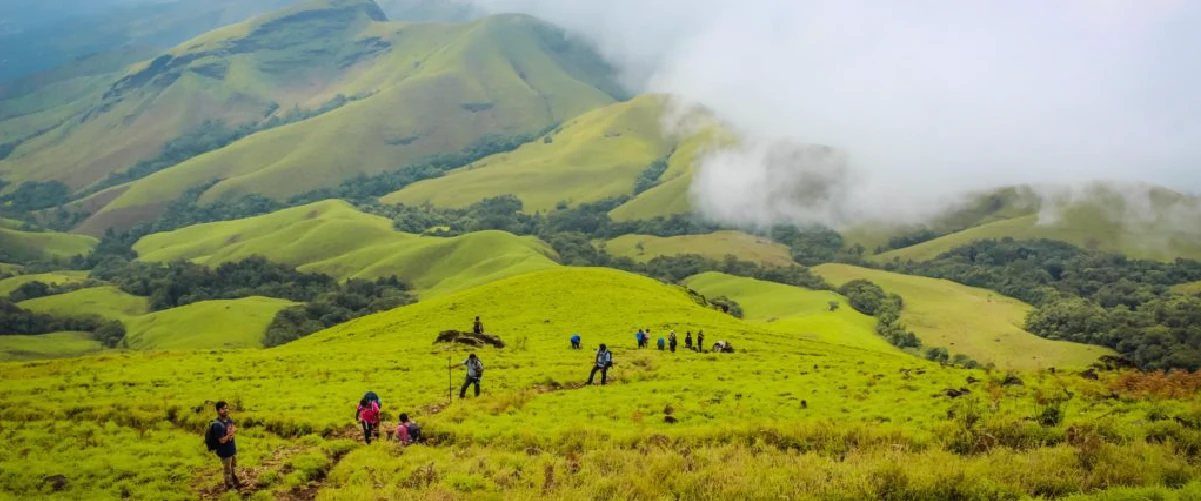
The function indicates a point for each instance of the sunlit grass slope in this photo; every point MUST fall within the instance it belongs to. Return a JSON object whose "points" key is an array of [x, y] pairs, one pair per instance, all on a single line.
{"points": [[56, 345], [33, 245], [334, 238], [597, 155], [714, 245], [803, 311], [109, 303], [784, 417], [1188, 288], [975, 322], [237, 323], [10, 284], [672, 196]]}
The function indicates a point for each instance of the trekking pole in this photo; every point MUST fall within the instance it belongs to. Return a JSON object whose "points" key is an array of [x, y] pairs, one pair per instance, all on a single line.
{"points": [[450, 381]]}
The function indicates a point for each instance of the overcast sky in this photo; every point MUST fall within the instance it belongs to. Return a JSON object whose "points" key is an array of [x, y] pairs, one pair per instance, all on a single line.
{"points": [[924, 97]]}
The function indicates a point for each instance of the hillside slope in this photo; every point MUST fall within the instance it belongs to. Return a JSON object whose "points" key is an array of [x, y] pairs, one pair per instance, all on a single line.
{"points": [[18, 245], [715, 245], [109, 303], [332, 237], [978, 323], [226, 324]]}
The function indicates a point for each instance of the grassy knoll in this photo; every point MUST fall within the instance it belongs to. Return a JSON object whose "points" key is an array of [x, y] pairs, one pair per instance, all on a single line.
{"points": [[235, 323], [781, 418], [55, 345], [10, 284], [594, 156], [803, 311], [1188, 288], [714, 245], [10, 269], [334, 238], [38, 245], [109, 303], [975, 322]]}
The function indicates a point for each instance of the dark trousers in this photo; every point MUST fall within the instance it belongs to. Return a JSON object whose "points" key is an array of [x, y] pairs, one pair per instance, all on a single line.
{"points": [[575, 345], [470, 381], [604, 374], [673, 347], [368, 431]]}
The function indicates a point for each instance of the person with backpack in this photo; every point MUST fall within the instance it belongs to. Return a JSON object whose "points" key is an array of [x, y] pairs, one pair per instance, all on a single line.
{"points": [[219, 438], [477, 327], [641, 338], [407, 432], [688, 340], [368, 414], [700, 341], [575, 341], [604, 360], [672, 341], [371, 396], [662, 343], [475, 370]]}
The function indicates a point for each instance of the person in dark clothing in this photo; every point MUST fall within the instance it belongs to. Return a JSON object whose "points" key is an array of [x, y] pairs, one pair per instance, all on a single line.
{"points": [[368, 414], [700, 341], [641, 338], [220, 439], [370, 395], [688, 340], [662, 343], [475, 370], [575, 341], [604, 360], [672, 341], [477, 327]]}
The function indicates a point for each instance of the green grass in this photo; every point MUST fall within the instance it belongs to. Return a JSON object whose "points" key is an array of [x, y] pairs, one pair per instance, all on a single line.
{"points": [[1188, 288], [8, 285], [332, 237], [109, 303], [783, 418], [595, 156], [975, 322], [35, 246], [56, 345], [714, 245], [806, 312], [236, 323], [10, 269]]}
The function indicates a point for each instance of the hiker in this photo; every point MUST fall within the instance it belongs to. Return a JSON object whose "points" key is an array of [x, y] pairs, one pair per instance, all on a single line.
{"points": [[407, 432], [368, 414], [475, 370], [575, 341], [700, 341], [662, 343], [641, 337], [477, 328], [604, 360], [673, 341], [688, 340], [219, 438]]}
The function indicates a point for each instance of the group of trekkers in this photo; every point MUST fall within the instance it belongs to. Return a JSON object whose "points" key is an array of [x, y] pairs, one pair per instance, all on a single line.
{"points": [[219, 436]]}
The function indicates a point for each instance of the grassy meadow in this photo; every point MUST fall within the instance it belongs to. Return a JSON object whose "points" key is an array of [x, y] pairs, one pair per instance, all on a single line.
{"points": [[44, 245], [715, 245], [783, 417], [44, 346], [979, 323], [10, 284], [234, 323]]}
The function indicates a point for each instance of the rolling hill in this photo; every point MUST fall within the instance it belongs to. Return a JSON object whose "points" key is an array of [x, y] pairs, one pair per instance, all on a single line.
{"points": [[10, 284], [358, 95], [109, 303], [715, 245], [44, 346], [978, 323], [803, 311], [225, 324], [332, 237], [18, 245]]}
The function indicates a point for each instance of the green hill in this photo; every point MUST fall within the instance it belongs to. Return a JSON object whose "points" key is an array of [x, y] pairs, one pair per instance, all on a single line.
{"points": [[978, 323], [384, 95], [10, 284], [714, 245], [332, 237], [236, 323], [109, 303], [803, 311], [1188, 288], [17, 245], [55, 345]]}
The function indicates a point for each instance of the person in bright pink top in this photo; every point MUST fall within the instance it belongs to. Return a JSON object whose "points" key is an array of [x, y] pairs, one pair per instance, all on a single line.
{"points": [[368, 414]]}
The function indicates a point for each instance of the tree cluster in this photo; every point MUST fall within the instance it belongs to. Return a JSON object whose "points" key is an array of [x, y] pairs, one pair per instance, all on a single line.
{"points": [[869, 299], [354, 299]]}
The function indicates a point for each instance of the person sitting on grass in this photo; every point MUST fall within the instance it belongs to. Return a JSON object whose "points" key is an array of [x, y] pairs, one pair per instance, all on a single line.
{"points": [[368, 414], [407, 432]]}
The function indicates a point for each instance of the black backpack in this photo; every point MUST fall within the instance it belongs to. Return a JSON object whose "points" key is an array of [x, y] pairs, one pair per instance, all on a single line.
{"points": [[211, 440]]}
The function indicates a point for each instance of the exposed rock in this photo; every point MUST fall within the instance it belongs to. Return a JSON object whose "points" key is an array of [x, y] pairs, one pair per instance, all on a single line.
{"points": [[56, 482], [469, 339]]}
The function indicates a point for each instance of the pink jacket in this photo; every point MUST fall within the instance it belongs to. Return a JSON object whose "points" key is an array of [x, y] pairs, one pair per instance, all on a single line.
{"points": [[369, 414]]}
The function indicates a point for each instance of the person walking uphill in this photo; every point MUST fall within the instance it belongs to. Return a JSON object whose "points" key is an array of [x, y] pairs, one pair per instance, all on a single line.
{"points": [[368, 414], [673, 341], [688, 340], [219, 438], [700, 341], [475, 370], [604, 360]]}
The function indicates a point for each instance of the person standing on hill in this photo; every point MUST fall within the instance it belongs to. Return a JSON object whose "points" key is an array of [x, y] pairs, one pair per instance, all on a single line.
{"points": [[641, 338], [688, 340], [477, 327], [368, 414], [700, 341], [575, 341], [604, 360], [672, 341], [219, 438], [662, 343], [475, 370], [371, 396]]}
